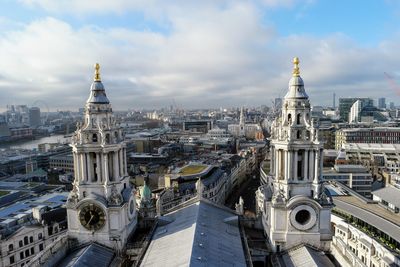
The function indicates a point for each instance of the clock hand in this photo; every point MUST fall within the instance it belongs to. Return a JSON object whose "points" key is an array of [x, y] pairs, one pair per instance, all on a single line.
{"points": [[91, 218]]}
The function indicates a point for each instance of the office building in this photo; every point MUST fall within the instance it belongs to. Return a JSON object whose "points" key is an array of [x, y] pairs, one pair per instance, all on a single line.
{"points": [[34, 117], [345, 105], [382, 103], [377, 135]]}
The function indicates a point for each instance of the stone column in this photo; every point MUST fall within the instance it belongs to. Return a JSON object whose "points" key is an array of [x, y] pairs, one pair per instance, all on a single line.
{"points": [[76, 168], [276, 164], [286, 165], [289, 165], [106, 171], [321, 160], [120, 162], [312, 160], [98, 167], [84, 170], [295, 165], [272, 152], [90, 168], [305, 161], [316, 166], [115, 166], [125, 163]]}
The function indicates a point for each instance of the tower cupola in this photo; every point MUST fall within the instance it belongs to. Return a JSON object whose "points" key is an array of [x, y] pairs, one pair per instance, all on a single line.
{"points": [[97, 91], [296, 84]]}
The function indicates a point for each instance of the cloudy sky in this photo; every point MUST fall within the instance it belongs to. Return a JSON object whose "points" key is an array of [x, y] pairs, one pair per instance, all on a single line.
{"points": [[208, 53]]}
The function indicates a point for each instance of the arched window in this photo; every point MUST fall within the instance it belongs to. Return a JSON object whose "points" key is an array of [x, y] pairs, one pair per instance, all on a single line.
{"points": [[20, 243], [25, 240], [289, 117], [107, 138], [84, 193], [298, 134], [298, 118], [31, 239], [94, 138], [10, 247]]}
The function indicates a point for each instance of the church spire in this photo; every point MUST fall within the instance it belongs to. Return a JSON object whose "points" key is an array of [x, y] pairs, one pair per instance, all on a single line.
{"points": [[242, 120]]}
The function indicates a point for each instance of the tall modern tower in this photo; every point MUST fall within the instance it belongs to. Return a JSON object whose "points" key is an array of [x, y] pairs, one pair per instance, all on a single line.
{"points": [[34, 117], [296, 208], [101, 206]]}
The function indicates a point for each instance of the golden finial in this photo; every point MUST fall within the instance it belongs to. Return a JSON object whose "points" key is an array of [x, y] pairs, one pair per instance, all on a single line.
{"points": [[296, 70], [97, 72]]}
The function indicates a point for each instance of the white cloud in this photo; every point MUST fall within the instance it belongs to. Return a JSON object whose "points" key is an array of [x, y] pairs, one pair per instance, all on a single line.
{"points": [[213, 56]]}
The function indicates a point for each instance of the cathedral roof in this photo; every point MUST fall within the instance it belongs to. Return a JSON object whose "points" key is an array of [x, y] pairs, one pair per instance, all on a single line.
{"points": [[296, 84], [92, 255], [305, 256], [97, 91], [199, 234]]}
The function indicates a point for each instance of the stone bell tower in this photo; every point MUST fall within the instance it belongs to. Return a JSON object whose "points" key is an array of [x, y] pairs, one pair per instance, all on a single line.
{"points": [[101, 206], [298, 207]]}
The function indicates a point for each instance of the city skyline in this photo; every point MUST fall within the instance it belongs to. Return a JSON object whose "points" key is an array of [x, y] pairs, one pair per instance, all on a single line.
{"points": [[210, 55]]}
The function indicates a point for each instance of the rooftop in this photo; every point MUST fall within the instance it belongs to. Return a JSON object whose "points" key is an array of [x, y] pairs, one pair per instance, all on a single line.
{"points": [[199, 234], [380, 148], [389, 194], [192, 169], [375, 129], [371, 213], [93, 255], [305, 256]]}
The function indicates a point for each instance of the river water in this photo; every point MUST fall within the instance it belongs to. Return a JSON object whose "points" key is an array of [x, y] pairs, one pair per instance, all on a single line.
{"points": [[33, 144]]}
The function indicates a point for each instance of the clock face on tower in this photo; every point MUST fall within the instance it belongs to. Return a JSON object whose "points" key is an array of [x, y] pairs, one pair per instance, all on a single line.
{"points": [[92, 217]]}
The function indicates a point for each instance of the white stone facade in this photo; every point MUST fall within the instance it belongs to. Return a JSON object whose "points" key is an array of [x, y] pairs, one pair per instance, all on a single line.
{"points": [[19, 248], [101, 190], [352, 247], [294, 206]]}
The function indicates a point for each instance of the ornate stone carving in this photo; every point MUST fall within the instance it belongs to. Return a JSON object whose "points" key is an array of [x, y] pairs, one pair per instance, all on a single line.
{"points": [[278, 198], [115, 197], [73, 198]]}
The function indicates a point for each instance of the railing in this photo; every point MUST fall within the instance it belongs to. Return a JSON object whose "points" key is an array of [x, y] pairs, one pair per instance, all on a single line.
{"points": [[247, 253], [141, 250]]}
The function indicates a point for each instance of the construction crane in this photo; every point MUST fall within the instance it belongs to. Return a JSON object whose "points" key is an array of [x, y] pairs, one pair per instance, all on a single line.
{"points": [[392, 83]]}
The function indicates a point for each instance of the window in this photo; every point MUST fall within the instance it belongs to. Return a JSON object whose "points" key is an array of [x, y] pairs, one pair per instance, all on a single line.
{"points": [[32, 250], [94, 138], [12, 259], [25, 240], [10, 247], [40, 247], [20, 243], [298, 134], [31, 239], [21, 255], [40, 236], [27, 253]]}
